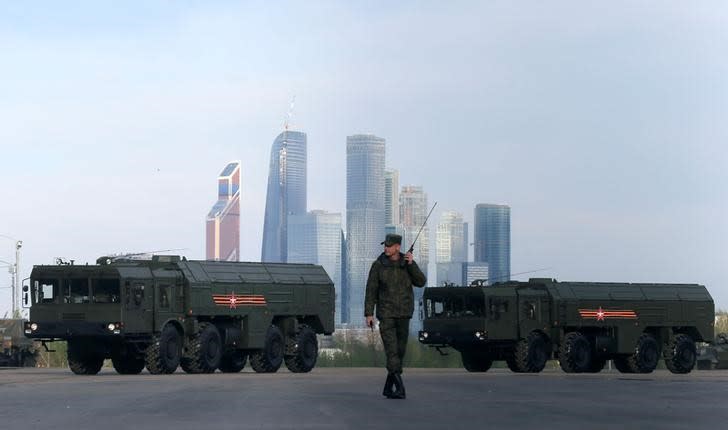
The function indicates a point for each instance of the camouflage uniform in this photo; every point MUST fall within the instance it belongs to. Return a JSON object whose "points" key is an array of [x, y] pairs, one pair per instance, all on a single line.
{"points": [[389, 289]]}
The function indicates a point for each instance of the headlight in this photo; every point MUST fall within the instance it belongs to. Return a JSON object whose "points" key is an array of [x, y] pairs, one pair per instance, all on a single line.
{"points": [[34, 326], [425, 334], [111, 326]]}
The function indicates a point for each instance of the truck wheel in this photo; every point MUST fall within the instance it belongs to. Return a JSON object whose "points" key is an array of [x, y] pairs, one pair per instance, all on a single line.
{"points": [[621, 364], [270, 358], [681, 354], [81, 362], [575, 354], [530, 354], [476, 361], [302, 351], [163, 354], [646, 354], [233, 361], [204, 350]]}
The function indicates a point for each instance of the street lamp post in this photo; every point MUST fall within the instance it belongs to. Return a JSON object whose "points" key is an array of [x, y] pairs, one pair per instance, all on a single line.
{"points": [[16, 272]]}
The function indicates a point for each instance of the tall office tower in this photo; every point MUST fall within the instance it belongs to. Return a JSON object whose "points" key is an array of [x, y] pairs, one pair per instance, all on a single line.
{"points": [[344, 281], [222, 226], [315, 238], [391, 197], [493, 240], [364, 216], [286, 193], [412, 213], [452, 247]]}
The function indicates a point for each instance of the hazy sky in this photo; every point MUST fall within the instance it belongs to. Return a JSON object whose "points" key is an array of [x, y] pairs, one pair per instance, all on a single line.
{"points": [[602, 124]]}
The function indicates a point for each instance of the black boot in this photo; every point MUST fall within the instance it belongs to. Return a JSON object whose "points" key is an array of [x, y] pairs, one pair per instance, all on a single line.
{"points": [[387, 392], [399, 392]]}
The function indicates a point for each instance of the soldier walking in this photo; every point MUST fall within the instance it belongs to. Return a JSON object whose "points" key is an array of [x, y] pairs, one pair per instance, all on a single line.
{"points": [[389, 289]]}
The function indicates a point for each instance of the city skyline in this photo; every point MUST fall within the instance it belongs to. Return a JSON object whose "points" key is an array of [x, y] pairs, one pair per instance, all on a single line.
{"points": [[600, 125]]}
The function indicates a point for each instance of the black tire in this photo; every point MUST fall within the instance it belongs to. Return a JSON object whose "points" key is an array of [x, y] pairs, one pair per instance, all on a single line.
{"points": [[476, 361], [646, 354], [203, 351], [575, 353], [621, 364], [530, 354], [270, 358], [233, 361], [82, 362], [163, 355], [681, 354], [302, 350]]}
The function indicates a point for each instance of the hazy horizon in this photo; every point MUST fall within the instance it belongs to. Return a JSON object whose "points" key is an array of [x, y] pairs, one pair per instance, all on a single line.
{"points": [[602, 125]]}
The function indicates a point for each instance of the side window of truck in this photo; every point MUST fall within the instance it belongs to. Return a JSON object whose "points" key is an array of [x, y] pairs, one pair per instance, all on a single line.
{"points": [[165, 294]]}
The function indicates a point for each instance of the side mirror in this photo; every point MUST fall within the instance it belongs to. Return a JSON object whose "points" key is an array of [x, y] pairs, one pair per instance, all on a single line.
{"points": [[26, 297]]}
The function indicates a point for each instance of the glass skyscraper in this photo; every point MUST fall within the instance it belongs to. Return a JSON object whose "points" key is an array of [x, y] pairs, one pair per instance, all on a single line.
{"points": [[391, 197], [413, 210], [493, 240], [365, 157], [452, 247], [315, 238], [286, 193], [222, 225]]}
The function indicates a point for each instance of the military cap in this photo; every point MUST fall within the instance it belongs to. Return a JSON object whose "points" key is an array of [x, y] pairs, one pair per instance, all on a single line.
{"points": [[391, 239]]}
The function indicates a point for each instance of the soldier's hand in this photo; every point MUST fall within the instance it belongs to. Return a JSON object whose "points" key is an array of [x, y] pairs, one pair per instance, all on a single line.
{"points": [[370, 322], [409, 258]]}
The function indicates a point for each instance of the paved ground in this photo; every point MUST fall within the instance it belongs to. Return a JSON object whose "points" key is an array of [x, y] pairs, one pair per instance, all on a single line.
{"points": [[351, 399]]}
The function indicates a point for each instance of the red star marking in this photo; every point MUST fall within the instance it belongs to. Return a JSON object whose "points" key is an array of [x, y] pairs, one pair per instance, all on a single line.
{"points": [[600, 314], [233, 301]]}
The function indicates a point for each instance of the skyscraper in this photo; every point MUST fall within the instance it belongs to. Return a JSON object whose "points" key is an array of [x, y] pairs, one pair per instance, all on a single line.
{"points": [[222, 226], [493, 240], [413, 210], [452, 247], [412, 213], [364, 216], [286, 193], [315, 238], [391, 197]]}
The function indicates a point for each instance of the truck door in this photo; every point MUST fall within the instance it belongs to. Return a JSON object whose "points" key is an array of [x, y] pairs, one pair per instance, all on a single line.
{"points": [[167, 301], [533, 310], [138, 305], [501, 308]]}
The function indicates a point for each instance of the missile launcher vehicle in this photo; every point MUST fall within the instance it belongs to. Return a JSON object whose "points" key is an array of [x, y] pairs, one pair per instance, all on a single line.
{"points": [[169, 312], [580, 324]]}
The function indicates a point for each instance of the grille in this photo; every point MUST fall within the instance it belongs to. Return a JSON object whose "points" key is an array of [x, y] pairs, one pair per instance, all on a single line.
{"points": [[73, 317]]}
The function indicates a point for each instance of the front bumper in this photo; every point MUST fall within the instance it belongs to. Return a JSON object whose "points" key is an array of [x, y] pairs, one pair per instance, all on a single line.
{"points": [[435, 337], [69, 329]]}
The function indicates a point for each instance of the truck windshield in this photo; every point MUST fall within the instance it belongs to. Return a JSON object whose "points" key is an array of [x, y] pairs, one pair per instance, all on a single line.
{"points": [[105, 290], [454, 307], [75, 290]]}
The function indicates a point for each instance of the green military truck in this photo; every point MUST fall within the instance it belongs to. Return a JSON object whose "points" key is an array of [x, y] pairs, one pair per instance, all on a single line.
{"points": [[168, 312], [15, 349], [581, 324]]}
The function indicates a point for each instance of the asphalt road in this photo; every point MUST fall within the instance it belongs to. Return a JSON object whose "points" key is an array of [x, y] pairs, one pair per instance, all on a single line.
{"points": [[351, 399]]}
